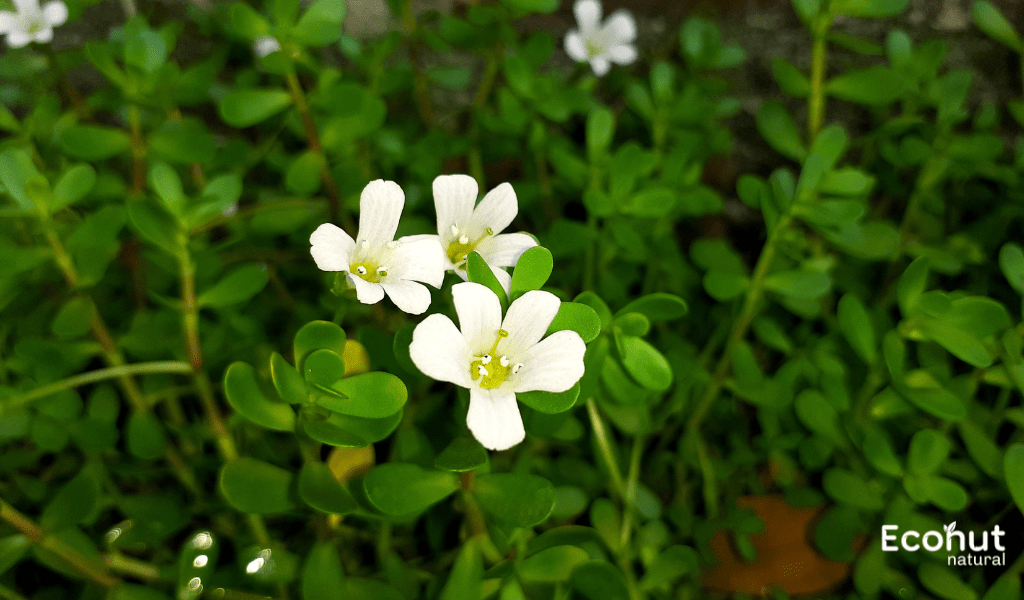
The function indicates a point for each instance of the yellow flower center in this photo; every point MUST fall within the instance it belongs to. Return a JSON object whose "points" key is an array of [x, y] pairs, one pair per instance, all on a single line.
{"points": [[369, 272], [462, 245], [492, 370]]}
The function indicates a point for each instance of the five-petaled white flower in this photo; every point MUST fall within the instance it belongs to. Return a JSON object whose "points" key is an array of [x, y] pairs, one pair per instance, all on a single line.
{"points": [[375, 261], [498, 358], [265, 46], [463, 229], [598, 44], [31, 23]]}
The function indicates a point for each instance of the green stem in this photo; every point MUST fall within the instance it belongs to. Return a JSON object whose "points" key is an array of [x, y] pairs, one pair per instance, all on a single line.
{"points": [[819, 56], [335, 206], [604, 444], [164, 366], [9, 594], [476, 164], [138, 149], [71, 556], [632, 481], [131, 566]]}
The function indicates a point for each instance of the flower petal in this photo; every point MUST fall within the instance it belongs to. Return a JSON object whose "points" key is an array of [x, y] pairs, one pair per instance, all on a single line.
{"points": [[439, 351], [366, 292], [526, 321], [380, 207], [588, 14], [620, 28], [419, 258], [17, 39], [409, 296], [496, 210], [575, 47], [479, 315], [553, 365], [503, 278], [600, 65], [44, 35], [332, 248], [8, 21], [494, 419], [623, 54], [454, 198], [55, 12], [504, 250]]}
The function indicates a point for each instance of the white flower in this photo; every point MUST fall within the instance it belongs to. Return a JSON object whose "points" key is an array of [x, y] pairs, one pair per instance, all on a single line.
{"points": [[376, 263], [496, 359], [598, 44], [32, 23], [265, 46], [463, 229]]}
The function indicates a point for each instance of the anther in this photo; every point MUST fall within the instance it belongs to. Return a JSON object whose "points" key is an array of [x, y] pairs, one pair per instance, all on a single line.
{"points": [[455, 230], [482, 370], [464, 239], [361, 270], [490, 231], [504, 361], [382, 271], [516, 367], [486, 359]]}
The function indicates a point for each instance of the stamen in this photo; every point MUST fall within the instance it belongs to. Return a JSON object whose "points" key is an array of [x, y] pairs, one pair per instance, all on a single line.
{"points": [[361, 270], [490, 231], [464, 239], [455, 230], [486, 360], [504, 361], [382, 272], [482, 370], [516, 367]]}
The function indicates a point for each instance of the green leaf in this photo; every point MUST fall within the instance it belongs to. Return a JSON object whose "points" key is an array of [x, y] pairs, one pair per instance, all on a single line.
{"points": [[654, 202], [780, 131], [245, 396], [1007, 587], [874, 86], [532, 6], [146, 436], [818, 415], [478, 271], [463, 454], [1011, 261], [551, 403], [724, 286], [333, 431], [790, 79], [846, 182], [16, 168], [911, 285], [167, 185], [959, 343], [982, 449], [856, 326], [404, 489], [878, 451], [303, 177], [73, 185], [73, 503], [517, 499], [322, 369], [319, 488], [670, 565], [287, 381], [317, 335], [371, 395], [237, 286], [599, 580], [131, 591], [467, 576], [154, 224], [799, 285], [928, 450], [1013, 470], [532, 271], [322, 578], [875, 9], [577, 317], [144, 49], [645, 363], [990, 20], [632, 324], [253, 486], [657, 307], [12, 549], [943, 582], [846, 487], [93, 142], [600, 129], [74, 318], [245, 108], [552, 564], [945, 493]]}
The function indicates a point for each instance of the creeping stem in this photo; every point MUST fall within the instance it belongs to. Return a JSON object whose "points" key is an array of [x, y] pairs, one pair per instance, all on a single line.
{"points": [[335, 206], [819, 55], [71, 556], [164, 366]]}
